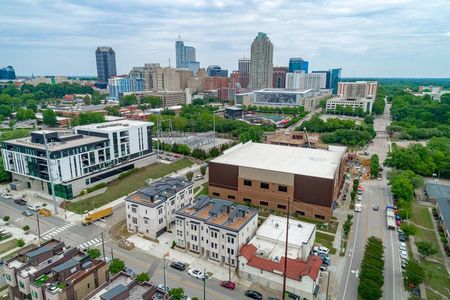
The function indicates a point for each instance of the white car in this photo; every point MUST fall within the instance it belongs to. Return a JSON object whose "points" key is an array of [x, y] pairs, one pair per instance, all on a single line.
{"points": [[359, 198], [198, 177], [196, 273], [163, 288], [360, 192], [402, 244], [34, 207], [321, 250], [404, 255], [6, 196], [402, 248], [358, 207]]}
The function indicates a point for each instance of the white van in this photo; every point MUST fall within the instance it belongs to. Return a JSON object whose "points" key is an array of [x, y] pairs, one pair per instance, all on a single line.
{"points": [[35, 206], [358, 207]]}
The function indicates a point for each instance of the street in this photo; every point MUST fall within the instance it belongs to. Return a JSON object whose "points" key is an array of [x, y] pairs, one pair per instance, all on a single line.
{"points": [[373, 223]]}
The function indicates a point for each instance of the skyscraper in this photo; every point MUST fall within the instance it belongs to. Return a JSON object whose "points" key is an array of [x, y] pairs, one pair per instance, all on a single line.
{"points": [[279, 77], [333, 76], [215, 70], [244, 72], [185, 57], [106, 65], [298, 64], [7, 73], [261, 59]]}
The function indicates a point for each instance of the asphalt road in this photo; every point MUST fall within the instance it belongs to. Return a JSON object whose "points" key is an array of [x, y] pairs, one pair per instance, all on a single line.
{"points": [[373, 223]]}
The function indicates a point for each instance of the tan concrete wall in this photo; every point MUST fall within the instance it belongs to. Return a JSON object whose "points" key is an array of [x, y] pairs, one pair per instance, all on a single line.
{"points": [[266, 176]]}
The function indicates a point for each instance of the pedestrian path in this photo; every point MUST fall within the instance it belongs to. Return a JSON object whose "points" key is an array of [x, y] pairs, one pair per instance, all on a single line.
{"points": [[55, 231], [91, 243], [100, 223]]}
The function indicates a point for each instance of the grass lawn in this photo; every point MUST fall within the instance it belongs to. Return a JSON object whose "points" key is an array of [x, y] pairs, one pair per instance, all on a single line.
{"points": [[433, 296], [326, 240], [422, 217], [437, 277], [9, 245], [124, 186], [205, 190]]}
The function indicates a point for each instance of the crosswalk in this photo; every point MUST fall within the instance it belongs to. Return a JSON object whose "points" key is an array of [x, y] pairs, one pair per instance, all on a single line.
{"points": [[55, 231], [100, 223], [92, 243]]}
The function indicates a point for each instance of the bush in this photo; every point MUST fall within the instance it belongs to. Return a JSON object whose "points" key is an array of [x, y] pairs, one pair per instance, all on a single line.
{"points": [[20, 243], [426, 248], [6, 218], [127, 173], [143, 277], [26, 228], [97, 187], [189, 175], [371, 278], [93, 253], [116, 266], [173, 244]]}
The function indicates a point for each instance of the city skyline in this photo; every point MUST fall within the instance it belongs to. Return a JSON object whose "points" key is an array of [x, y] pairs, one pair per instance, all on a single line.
{"points": [[365, 39]]}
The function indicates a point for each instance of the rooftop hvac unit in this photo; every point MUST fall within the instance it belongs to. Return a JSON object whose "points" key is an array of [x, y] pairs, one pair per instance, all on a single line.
{"points": [[276, 225], [300, 225]]}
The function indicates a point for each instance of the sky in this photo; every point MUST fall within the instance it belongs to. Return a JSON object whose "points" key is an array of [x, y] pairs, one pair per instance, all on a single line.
{"points": [[382, 38]]}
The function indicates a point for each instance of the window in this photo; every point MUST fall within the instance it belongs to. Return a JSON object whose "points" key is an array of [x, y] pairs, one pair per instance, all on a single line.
{"points": [[281, 206], [216, 194], [34, 294], [263, 203], [247, 200], [21, 284], [230, 240], [301, 213], [264, 185], [133, 209], [134, 220], [160, 210], [145, 221], [282, 188], [160, 221], [231, 197], [88, 285], [247, 182], [319, 217]]}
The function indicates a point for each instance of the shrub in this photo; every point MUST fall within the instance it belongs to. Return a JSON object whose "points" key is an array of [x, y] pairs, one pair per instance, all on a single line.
{"points": [[6, 218], [26, 228], [93, 253], [97, 187], [116, 266], [143, 277], [20, 243]]}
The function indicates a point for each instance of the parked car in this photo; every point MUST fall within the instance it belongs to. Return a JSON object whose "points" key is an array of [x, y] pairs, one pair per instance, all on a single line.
{"points": [[197, 274], [163, 288], [323, 267], [404, 255], [253, 294], [401, 237], [358, 207], [198, 177], [402, 244], [375, 207], [272, 298], [228, 284], [34, 207], [6, 196], [359, 198], [129, 272], [27, 213], [20, 202], [403, 263], [402, 248], [321, 249], [325, 258], [178, 265]]}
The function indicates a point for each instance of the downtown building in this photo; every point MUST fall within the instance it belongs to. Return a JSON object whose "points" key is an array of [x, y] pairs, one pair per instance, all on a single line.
{"points": [[333, 77], [94, 154], [215, 228], [269, 176], [215, 70], [279, 77], [359, 94], [118, 86], [261, 62], [244, 72], [185, 57], [300, 80], [7, 73], [106, 65], [150, 211], [298, 64]]}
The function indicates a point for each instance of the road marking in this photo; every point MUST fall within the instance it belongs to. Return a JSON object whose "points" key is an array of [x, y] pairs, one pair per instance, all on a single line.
{"points": [[47, 231], [351, 258]]}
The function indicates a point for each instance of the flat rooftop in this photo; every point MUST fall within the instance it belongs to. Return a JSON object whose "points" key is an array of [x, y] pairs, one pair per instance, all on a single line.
{"points": [[293, 160], [120, 280], [113, 126], [283, 91], [55, 146]]}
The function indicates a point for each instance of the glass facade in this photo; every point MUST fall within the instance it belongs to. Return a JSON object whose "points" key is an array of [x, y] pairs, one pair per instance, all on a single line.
{"points": [[62, 191], [298, 64], [275, 98]]}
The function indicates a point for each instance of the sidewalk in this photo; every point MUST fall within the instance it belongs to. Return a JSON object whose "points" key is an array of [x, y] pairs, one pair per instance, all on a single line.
{"points": [[220, 272]]}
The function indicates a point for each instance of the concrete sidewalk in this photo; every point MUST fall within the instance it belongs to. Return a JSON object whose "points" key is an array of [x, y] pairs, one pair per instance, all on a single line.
{"points": [[220, 272]]}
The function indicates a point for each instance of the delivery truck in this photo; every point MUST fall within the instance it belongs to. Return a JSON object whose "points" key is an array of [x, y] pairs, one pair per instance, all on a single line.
{"points": [[91, 217], [390, 217]]}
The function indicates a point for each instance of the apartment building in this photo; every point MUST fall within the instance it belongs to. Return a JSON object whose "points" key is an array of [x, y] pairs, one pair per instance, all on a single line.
{"points": [[151, 210], [271, 175], [170, 98], [53, 271], [365, 104], [122, 286], [215, 228], [95, 153], [306, 81], [358, 89]]}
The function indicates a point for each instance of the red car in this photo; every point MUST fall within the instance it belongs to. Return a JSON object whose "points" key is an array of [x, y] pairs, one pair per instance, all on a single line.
{"points": [[398, 222], [228, 285]]}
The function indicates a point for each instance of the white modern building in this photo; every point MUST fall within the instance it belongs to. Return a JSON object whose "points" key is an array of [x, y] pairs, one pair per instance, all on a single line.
{"points": [[215, 228], [364, 103], [118, 86], [93, 154], [262, 259], [151, 210], [357, 90], [300, 80]]}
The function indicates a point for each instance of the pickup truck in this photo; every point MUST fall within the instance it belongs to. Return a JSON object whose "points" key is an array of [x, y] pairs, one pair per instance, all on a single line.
{"points": [[91, 217]]}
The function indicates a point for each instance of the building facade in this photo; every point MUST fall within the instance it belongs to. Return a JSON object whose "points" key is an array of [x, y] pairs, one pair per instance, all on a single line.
{"points": [[185, 57], [261, 62], [333, 77], [106, 65], [244, 72], [150, 211], [7, 73], [365, 104], [357, 90], [279, 77], [117, 86], [215, 70], [215, 228], [96, 153], [170, 98], [303, 81], [215, 83], [311, 179], [298, 64]]}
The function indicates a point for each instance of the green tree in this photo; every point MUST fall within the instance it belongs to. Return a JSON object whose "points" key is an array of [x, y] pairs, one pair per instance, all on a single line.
{"points": [[128, 100], [199, 154], [24, 114], [214, 152], [89, 118], [176, 293], [203, 170], [408, 229], [374, 165], [414, 273], [116, 265], [154, 101], [143, 277], [6, 218], [426, 248], [189, 175], [168, 112], [49, 117], [26, 228], [4, 175], [20, 243], [87, 100], [93, 253], [113, 110], [5, 110]]}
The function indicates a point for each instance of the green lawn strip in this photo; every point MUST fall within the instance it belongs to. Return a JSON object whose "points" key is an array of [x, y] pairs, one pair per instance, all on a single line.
{"points": [[205, 189], [326, 240], [436, 277], [433, 296], [422, 217], [124, 186], [196, 189], [8, 245]]}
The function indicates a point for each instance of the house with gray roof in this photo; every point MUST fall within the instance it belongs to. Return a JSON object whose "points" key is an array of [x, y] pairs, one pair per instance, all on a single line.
{"points": [[440, 194]]}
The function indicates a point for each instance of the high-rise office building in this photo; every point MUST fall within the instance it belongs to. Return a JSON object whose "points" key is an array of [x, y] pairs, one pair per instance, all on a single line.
{"points": [[106, 65], [118, 86], [215, 70], [244, 72], [298, 64], [333, 76], [279, 77], [299, 80], [7, 73], [261, 59], [185, 57]]}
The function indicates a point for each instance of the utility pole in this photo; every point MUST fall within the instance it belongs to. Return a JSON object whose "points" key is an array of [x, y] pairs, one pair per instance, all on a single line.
{"points": [[328, 283], [112, 253], [39, 228], [214, 129], [286, 250], [204, 284], [164, 268], [50, 175], [103, 247]]}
